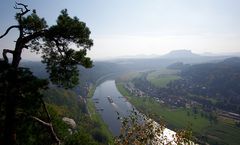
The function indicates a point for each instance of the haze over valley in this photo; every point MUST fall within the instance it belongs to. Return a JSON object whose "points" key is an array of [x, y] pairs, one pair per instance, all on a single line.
{"points": [[120, 72]]}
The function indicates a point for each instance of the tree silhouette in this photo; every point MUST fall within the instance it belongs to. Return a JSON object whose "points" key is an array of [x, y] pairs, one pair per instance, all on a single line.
{"points": [[63, 46]]}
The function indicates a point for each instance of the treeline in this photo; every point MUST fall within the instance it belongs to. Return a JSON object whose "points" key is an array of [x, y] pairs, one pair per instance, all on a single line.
{"points": [[219, 81]]}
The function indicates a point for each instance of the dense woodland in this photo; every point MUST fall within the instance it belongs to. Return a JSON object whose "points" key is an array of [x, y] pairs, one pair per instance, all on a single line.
{"points": [[219, 81]]}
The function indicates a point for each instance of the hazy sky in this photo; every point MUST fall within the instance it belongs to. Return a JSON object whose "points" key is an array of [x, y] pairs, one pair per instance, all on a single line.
{"points": [[137, 27]]}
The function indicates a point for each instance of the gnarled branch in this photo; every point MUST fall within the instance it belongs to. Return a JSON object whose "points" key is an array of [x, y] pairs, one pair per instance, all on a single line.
{"points": [[24, 10], [45, 109], [14, 26], [44, 123], [41, 121], [50, 126], [4, 53]]}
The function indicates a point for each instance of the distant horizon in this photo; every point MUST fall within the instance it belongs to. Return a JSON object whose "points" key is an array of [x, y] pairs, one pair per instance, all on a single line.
{"points": [[143, 56]]}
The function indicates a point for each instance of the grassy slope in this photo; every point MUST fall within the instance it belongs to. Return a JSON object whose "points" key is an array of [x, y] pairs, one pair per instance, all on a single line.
{"points": [[64, 103]]}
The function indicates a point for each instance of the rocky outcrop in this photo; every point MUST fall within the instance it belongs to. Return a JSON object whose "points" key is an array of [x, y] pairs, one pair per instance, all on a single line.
{"points": [[69, 121]]}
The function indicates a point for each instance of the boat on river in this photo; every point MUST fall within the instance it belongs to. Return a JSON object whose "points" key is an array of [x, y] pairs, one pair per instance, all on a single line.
{"points": [[110, 99]]}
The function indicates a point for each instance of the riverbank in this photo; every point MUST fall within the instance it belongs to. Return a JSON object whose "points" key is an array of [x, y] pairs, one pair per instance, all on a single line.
{"points": [[168, 136], [95, 116], [92, 110]]}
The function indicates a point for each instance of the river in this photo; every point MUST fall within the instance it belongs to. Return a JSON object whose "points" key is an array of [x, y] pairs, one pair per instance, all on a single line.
{"points": [[108, 110]]}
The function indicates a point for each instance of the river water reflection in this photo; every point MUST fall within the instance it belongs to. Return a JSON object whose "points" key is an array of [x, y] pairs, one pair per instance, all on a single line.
{"points": [[108, 110]]}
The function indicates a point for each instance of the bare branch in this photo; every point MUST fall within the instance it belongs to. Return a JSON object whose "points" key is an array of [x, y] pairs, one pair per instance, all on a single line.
{"points": [[20, 4], [15, 7], [46, 124], [4, 53], [45, 109], [50, 126], [14, 26], [41, 121], [24, 10]]}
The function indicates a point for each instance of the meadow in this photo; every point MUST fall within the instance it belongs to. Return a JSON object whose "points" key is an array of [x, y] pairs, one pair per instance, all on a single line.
{"points": [[162, 77]]}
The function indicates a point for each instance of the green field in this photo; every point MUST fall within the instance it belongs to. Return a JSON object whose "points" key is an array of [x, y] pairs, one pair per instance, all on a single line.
{"points": [[162, 77], [176, 118], [223, 132], [130, 75]]}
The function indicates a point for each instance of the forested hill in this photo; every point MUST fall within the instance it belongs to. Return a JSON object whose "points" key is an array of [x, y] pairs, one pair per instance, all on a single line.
{"points": [[221, 77], [217, 80], [86, 76], [91, 74]]}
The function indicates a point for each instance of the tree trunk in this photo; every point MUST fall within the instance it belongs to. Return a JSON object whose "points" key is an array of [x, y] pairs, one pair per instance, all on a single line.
{"points": [[11, 100], [10, 121], [17, 55]]}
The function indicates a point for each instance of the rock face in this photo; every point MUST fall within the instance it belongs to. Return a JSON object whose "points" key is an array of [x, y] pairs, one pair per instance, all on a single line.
{"points": [[181, 54], [70, 122]]}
